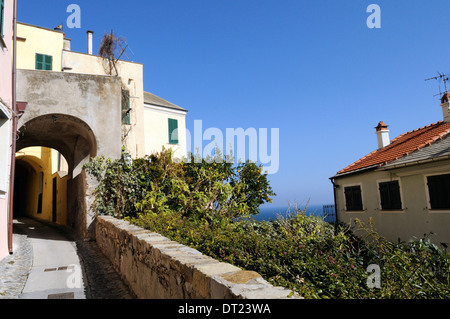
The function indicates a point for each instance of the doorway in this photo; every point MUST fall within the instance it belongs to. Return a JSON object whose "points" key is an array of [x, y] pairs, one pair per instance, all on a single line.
{"points": [[54, 199]]}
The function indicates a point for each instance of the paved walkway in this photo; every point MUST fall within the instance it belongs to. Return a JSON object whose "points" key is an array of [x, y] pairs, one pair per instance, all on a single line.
{"points": [[47, 264]]}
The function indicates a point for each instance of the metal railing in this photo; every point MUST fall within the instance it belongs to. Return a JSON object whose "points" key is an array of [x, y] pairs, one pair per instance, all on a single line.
{"points": [[329, 213]]}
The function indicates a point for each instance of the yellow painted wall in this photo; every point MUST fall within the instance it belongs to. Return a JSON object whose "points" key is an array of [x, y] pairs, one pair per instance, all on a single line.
{"points": [[32, 40], [145, 130], [61, 202], [40, 159]]}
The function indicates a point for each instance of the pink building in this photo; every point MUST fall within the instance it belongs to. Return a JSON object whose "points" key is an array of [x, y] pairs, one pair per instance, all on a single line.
{"points": [[7, 101]]}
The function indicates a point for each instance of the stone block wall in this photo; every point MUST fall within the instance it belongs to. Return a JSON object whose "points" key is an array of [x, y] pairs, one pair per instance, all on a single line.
{"points": [[155, 267]]}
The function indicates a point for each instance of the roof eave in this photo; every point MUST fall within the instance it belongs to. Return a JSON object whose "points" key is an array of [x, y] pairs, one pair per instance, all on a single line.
{"points": [[356, 171], [418, 162], [166, 107]]}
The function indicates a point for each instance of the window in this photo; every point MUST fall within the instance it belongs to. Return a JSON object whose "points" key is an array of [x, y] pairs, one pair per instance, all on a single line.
{"points": [[390, 195], [2, 16], [44, 62], [173, 131], [439, 191], [353, 198], [126, 107]]}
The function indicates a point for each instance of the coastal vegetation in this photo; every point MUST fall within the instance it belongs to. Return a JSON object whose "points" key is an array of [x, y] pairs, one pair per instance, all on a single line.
{"points": [[208, 204]]}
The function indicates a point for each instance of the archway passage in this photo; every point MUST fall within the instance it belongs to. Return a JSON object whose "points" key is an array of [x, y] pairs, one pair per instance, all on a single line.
{"points": [[67, 134], [40, 185], [42, 189]]}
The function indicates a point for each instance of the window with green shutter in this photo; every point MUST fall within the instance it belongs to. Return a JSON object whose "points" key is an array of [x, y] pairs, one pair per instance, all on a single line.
{"points": [[126, 119], [44, 62], [2, 16], [173, 131]]}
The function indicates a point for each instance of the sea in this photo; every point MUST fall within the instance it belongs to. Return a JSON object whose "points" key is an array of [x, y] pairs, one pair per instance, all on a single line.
{"points": [[269, 212]]}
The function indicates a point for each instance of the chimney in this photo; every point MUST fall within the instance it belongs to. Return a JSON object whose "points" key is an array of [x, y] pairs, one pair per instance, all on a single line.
{"points": [[445, 104], [383, 135], [90, 33], [67, 44]]}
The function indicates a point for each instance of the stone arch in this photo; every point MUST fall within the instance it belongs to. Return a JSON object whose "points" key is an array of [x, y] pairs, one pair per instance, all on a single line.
{"points": [[78, 115], [75, 140], [69, 135]]}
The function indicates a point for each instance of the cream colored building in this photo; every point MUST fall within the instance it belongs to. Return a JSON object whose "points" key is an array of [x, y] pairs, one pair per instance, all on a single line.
{"points": [[39, 48], [145, 129], [149, 123], [132, 75], [403, 186]]}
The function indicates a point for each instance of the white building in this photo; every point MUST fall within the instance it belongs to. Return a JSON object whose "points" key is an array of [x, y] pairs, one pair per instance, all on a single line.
{"points": [[165, 126]]}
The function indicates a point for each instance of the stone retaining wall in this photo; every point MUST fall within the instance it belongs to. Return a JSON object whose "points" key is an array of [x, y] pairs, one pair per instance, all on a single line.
{"points": [[155, 267]]}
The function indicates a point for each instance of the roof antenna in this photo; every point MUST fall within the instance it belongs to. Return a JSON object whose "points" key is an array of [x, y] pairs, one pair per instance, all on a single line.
{"points": [[442, 77]]}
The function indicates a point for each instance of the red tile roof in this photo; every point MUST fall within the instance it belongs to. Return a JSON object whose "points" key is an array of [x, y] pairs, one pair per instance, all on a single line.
{"points": [[401, 146]]}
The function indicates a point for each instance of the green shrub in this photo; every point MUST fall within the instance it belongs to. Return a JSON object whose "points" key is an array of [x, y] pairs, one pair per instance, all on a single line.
{"points": [[208, 206]]}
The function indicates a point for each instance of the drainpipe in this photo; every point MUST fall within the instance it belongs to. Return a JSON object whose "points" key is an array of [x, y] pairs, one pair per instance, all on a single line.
{"points": [[335, 203], [14, 131]]}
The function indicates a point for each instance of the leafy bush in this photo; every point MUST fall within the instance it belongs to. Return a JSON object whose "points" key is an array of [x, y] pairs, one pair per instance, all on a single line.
{"points": [[208, 205], [157, 184]]}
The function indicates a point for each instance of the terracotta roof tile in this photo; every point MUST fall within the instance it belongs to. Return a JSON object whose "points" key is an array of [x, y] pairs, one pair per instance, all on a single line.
{"points": [[402, 145]]}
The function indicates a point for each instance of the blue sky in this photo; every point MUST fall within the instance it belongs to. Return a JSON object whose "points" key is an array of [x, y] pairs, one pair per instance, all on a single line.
{"points": [[313, 69]]}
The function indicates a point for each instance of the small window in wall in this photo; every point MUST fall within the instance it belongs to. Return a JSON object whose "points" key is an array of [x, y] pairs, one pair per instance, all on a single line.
{"points": [[173, 131], [126, 119], [44, 62], [439, 191], [353, 198], [390, 195]]}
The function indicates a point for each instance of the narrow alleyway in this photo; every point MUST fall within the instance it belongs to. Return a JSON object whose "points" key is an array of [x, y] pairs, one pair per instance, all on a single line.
{"points": [[48, 264]]}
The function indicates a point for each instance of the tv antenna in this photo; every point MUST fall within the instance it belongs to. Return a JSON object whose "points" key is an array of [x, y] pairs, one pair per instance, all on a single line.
{"points": [[440, 77]]}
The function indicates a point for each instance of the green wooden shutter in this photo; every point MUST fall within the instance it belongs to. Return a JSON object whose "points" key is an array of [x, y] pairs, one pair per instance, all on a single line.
{"points": [[173, 131], [126, 119], [44, 62], [48, 62], [39, 61]]}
